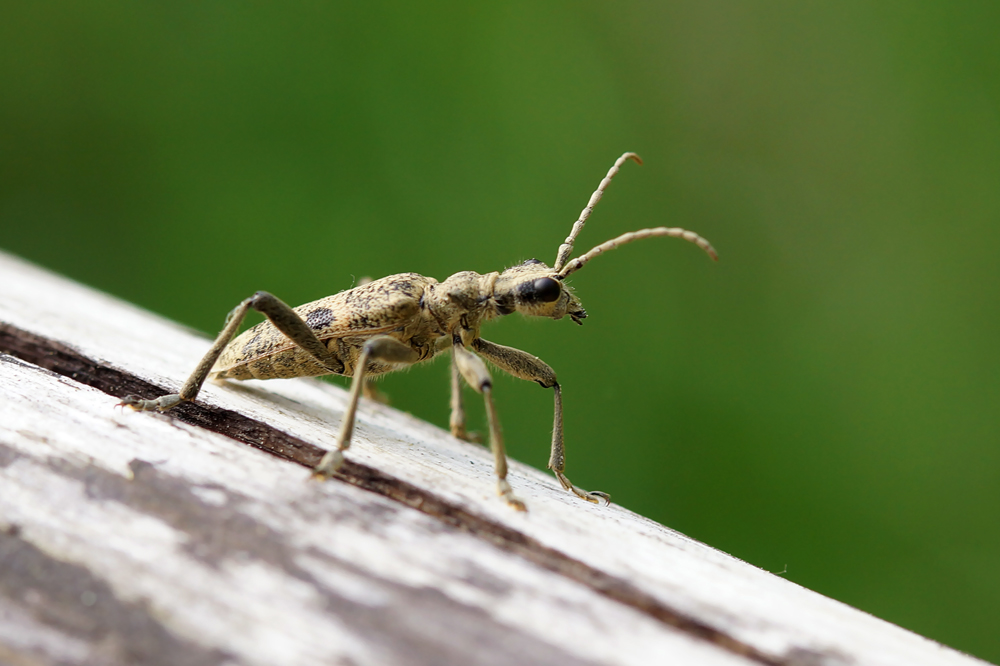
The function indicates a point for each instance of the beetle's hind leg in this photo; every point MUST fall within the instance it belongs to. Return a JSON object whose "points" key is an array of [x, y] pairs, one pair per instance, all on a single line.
{"points": [[284, 319], [379, 348]]}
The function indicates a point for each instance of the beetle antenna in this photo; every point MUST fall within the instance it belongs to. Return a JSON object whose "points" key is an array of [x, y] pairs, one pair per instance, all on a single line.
{"points": [[567, 247], [673, 232]]}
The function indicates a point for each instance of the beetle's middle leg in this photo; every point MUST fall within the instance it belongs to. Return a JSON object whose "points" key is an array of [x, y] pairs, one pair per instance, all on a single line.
{"points": [[284, 319], [525, 366], [457, 420], [475, 373], [370, 390], [379, 348]]}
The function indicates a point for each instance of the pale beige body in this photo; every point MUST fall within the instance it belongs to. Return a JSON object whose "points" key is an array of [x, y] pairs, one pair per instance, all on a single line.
{"points": [[404, 319]]}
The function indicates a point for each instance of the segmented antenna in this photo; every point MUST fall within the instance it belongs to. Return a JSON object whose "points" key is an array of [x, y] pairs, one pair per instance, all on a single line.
{"points": [[567, 247], [673, 232]]}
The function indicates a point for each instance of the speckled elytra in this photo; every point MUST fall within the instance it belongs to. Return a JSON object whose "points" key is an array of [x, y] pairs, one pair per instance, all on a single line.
{"points": [[397, 321]]}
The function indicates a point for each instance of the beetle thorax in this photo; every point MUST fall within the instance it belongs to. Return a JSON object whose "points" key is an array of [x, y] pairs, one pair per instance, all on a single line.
{"points": [[462, 302]]}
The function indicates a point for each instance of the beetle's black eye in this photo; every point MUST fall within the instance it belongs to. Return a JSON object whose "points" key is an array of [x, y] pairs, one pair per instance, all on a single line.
{"points": [[543, 289]]}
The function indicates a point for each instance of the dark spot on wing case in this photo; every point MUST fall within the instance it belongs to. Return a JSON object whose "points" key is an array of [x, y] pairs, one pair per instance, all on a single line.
{"points": [[319, 318]]}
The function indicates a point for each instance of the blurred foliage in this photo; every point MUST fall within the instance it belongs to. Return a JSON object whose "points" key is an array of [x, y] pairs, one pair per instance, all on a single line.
{"points": [[822, 400]]}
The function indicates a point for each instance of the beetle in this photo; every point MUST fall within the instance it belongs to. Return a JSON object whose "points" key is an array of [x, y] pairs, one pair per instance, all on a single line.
{"points": [[400, 320]]}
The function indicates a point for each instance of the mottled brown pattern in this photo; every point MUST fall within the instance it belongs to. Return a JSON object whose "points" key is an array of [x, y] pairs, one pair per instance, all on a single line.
{"points": [[386, 306]]}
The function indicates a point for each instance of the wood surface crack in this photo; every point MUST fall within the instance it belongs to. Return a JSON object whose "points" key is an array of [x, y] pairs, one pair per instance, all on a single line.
{"points": [[68, 362]]}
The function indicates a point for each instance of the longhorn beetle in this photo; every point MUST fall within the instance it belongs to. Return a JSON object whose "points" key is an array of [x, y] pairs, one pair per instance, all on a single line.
{"points": [[403, 319]]}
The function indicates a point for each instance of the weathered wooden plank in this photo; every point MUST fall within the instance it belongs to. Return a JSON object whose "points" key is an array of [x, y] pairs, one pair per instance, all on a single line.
{"points": [[153, 541], [189, 544]]}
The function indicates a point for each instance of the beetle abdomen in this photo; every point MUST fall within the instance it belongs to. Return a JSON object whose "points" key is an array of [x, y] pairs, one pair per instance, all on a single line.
{"points": [[343, 321]]}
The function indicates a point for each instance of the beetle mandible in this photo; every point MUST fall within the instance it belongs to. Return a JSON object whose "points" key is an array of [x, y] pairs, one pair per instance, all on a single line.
{"points": [[397, 321]]}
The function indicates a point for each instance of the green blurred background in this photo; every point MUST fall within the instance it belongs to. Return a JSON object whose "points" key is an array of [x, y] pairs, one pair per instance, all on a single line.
{"points": [[823, 401]]}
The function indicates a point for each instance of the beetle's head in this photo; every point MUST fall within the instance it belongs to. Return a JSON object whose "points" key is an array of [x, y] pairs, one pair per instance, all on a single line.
{"points": [[534, 289]]}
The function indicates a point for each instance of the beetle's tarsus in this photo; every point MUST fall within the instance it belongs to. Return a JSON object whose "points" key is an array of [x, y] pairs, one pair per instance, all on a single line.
{"points": [[505, 491], [467, 435], [593, 496], [329, 465], [161, 404]]}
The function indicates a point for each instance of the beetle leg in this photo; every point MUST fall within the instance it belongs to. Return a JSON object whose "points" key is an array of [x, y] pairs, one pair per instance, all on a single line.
{"points": [[525, 366], [284, 319], [474, 371], [457, 420], [370, 390], [379, 348]]}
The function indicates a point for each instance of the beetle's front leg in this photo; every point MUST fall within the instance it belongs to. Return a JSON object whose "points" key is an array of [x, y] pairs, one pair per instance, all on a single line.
{"points": [[380, 348], [284, 319], [525, 366]]}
